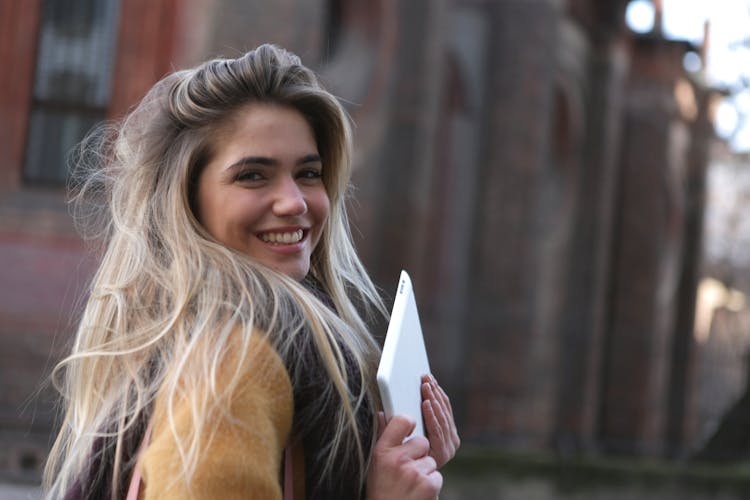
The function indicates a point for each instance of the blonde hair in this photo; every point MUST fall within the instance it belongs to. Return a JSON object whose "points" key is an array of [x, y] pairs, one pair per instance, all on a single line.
{"points": [[166, 291]]}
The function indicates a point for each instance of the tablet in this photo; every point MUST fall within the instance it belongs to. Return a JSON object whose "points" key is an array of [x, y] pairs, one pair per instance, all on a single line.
{"points": [[404, 359]]}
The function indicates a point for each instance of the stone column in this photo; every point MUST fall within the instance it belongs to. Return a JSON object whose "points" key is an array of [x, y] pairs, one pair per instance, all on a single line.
{"points": [[584, 310], [646, 253], [680, 420], [509, 384]]}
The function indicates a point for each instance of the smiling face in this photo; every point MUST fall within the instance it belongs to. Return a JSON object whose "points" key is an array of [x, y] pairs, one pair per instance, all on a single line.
{"points": [[262, 192]]}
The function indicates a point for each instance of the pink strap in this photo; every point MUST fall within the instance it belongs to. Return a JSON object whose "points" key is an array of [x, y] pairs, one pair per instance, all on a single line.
{"points": [[135, 479]]}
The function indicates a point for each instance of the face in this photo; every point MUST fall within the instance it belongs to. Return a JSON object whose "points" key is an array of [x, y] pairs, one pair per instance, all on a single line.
{"points": [[262, 193]]}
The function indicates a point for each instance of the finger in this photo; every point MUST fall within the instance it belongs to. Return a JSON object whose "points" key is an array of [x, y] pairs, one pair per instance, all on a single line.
{"points": [[448, 410], [434, 432], [425, 389], [441, 396], [439, 410], [428, 395], [416, 447], [437, 479], [425, 465], [436, 482], [430, 392], [442, 401], [440, 448], [396, 431]]}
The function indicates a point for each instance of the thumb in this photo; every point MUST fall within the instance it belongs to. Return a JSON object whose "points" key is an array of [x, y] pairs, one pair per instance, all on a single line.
{"points": [[396, 431]]}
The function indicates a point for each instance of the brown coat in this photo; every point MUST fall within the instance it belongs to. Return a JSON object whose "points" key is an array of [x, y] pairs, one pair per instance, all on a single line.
{"points": [[242, 457]]}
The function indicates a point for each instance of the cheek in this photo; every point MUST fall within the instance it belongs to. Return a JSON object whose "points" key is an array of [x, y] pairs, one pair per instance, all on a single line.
{"points": [[322, 207], [224, 212]]}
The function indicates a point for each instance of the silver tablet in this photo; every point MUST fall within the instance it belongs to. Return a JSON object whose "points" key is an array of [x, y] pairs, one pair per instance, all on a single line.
{"points": [[404, 359]]}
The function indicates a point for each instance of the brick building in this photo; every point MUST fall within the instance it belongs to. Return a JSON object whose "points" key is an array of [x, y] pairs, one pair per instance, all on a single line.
{"points": [[530, 162]]}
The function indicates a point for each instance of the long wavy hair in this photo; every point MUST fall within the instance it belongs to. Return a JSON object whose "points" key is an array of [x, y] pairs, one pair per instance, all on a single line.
{"points": [[166, 291]]}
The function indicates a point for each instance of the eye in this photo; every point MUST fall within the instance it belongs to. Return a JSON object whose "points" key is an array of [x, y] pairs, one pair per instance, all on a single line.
{"points": [[310, 173], [249, 176]]}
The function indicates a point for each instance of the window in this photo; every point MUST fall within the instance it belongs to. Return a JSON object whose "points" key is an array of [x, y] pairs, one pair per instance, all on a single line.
{"points": [[72, 84]]}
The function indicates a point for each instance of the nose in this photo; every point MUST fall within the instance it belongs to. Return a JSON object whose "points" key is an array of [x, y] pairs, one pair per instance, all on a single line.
{"points": [[288, 199]]}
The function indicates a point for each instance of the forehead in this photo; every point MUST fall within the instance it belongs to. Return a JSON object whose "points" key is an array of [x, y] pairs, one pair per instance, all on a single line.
{"points": [[266, 126]]}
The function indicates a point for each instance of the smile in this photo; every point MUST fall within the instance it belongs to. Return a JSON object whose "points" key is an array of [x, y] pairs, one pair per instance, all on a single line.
{"points": [[286, 238]]}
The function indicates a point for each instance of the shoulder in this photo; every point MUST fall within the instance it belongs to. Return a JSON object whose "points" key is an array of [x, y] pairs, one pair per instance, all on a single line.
{"points": [[237, 421], [254, 359], [247, 371], [256, 376]]}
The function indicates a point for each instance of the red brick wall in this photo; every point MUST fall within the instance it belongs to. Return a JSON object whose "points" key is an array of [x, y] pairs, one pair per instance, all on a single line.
{"points": [[488, 148], [44, 266], [145, 49], [19, 23]]}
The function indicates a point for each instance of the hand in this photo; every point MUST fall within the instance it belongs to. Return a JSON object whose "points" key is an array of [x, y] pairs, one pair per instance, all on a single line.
{"points": [[402, 470], [438, 420]]}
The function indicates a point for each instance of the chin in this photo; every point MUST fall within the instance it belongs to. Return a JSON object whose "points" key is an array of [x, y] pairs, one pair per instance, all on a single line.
{"points": [[294, 272]]}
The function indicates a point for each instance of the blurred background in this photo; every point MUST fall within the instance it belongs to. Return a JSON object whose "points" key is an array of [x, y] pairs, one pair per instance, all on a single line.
{"points": [[567, 182]]}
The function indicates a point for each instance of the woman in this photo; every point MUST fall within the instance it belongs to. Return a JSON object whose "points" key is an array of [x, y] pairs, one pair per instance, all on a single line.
{"points": [[228, 315]]}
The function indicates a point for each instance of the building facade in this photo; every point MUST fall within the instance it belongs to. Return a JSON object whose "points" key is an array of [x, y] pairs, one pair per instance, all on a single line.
{"points": [[529, 162]]}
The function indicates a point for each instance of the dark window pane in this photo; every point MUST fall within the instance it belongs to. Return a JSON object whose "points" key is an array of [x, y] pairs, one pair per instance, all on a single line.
{"points": [[73, 81], [52, 135]]}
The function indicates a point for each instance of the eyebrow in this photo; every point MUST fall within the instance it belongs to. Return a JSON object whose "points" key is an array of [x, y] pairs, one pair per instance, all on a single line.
{"points": [[264, 160]]}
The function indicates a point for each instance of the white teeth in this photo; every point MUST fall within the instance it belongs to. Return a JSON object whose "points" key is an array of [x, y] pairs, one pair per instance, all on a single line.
{"points": [[282, 238]]}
